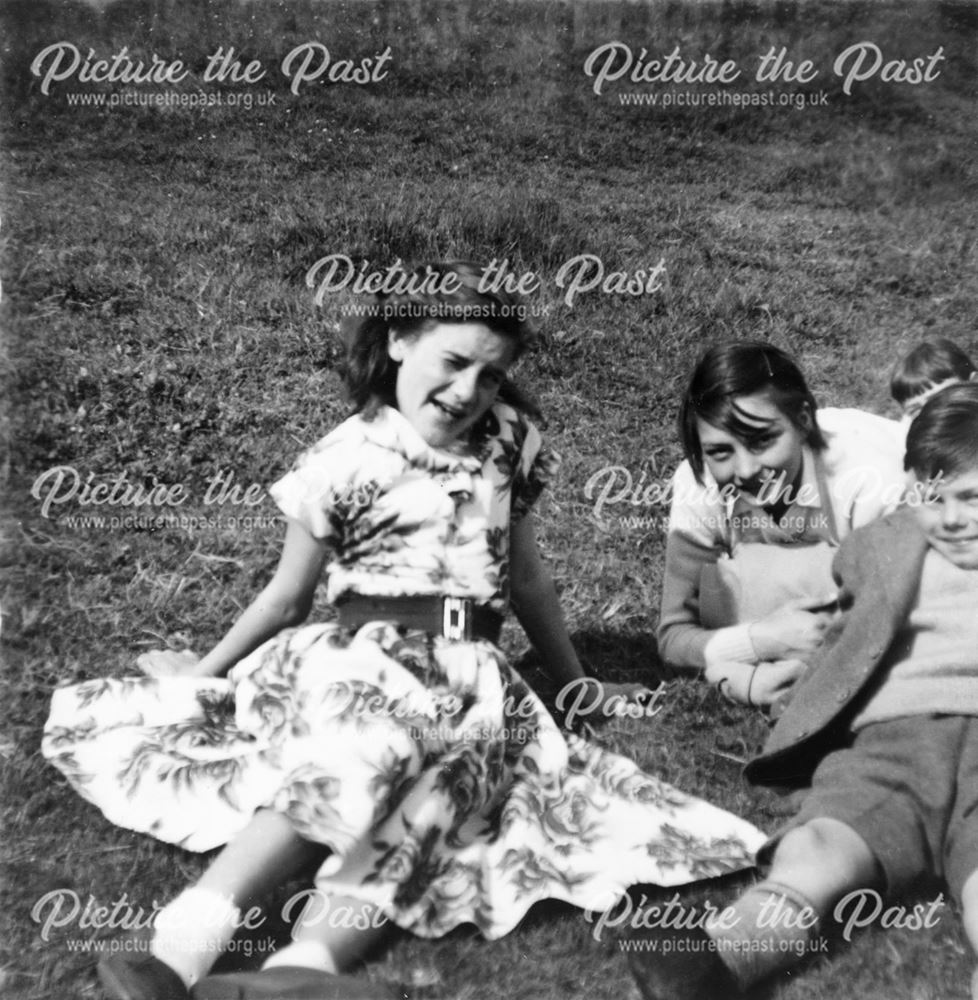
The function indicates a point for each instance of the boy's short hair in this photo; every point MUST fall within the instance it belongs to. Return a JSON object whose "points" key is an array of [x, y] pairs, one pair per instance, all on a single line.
{"points": [[943, 440], [928, 365]]}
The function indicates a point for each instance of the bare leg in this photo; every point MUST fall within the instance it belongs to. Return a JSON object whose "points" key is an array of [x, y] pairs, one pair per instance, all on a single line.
{"points": [[262, 856], [194, 928], [969, 917], [333, 934], [823, 860], [769, 928], [777, 920]]}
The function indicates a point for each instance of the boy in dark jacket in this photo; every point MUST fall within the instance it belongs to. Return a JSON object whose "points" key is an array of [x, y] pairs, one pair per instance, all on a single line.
{"points": [[884, 728]]}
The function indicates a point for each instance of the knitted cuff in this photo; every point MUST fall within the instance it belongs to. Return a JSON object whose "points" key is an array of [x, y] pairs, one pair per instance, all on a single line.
{"points": [[728, 644], [769, 929]]}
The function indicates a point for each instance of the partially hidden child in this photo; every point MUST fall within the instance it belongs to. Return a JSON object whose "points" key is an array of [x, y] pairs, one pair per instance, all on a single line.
{"points": [[883, 728]]}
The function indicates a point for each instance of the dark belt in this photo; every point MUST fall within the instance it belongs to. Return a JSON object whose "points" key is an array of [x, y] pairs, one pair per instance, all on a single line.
{"points": [[458, 618]]}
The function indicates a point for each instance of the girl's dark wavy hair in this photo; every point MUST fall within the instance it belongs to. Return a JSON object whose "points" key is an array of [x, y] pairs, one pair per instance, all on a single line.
{"points": [[369, 374], [742, 368]]}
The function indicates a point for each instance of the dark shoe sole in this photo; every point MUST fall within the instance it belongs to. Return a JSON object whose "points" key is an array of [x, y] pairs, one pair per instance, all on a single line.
{"points": [[288, 982], [691, 970], [140, 978]]}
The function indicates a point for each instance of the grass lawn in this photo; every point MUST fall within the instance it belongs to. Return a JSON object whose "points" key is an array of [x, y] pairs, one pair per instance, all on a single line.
{"points": [[157, 324]]}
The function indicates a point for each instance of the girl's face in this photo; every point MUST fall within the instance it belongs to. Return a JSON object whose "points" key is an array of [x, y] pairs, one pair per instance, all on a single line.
{"points": [[448, 376], [765, 465]]}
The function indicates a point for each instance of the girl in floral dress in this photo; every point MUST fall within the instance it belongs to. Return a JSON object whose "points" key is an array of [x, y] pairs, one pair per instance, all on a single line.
{"points": [[396, 740]]}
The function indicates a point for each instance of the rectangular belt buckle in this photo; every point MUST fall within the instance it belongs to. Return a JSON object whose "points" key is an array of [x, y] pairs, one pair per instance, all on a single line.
{"points": [[456, 623]]}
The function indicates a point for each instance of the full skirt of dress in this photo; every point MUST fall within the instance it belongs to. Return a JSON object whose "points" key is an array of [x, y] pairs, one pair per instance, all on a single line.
{"points": [[444, 790]]}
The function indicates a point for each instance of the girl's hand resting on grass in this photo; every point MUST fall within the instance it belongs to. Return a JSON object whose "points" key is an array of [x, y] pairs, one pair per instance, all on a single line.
{"points": [[796, 627], [634, 701], [588, 702], [168, 663]]}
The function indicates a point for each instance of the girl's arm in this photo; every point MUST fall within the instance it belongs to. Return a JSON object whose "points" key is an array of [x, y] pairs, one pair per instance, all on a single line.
{"points": [[729, 657], [534, 600], [535, 603], [682, 639], [285, 600], [695, 539]]}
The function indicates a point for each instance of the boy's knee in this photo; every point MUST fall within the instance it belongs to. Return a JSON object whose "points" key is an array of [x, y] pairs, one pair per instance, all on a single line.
{"points": [[829, 846], [969, 917], [969, 894]]}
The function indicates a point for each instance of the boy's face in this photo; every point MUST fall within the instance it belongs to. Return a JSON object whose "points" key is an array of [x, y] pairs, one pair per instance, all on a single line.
{"points": [[948, 516]]}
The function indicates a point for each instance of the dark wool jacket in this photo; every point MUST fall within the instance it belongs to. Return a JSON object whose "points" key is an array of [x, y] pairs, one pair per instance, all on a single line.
{"points": [[878, 568]]}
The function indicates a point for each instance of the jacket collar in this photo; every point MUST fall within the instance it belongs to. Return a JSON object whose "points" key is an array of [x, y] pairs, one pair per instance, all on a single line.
{"points": [[900, 556]]}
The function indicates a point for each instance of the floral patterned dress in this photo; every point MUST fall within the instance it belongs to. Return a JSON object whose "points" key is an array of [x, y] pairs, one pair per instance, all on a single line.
{"points": [[443, 789]]}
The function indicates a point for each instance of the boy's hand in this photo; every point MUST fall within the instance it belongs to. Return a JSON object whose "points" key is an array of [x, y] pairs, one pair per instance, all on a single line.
{"points": [[167, 663], [774, 680], [756, 684], [796, 627]]}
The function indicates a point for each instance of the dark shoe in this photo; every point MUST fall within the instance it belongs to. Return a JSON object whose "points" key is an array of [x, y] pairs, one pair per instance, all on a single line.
{"points": [[680, 965], [140, 977], [291, 982]]}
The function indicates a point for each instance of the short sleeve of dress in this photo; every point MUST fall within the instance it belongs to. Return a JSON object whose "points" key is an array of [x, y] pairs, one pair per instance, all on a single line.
{"points": [[696, 512], [537, 466], [320, 485]]}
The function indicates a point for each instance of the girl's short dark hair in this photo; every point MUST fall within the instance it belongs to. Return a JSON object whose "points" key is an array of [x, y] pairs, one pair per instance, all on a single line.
{"points": [[742, 368], [943, 439], [927, 365], [443, 292]]}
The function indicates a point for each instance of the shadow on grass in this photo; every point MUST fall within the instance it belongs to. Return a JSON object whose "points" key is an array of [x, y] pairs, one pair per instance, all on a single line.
{"points": [[607, 654]]}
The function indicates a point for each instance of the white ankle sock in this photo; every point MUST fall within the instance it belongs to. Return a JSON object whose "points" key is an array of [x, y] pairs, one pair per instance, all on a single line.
{"points": [[308, 954], [193, 930]]}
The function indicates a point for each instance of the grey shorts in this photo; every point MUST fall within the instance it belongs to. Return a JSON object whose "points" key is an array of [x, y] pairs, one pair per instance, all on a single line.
{"points": [[909, 788]]}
